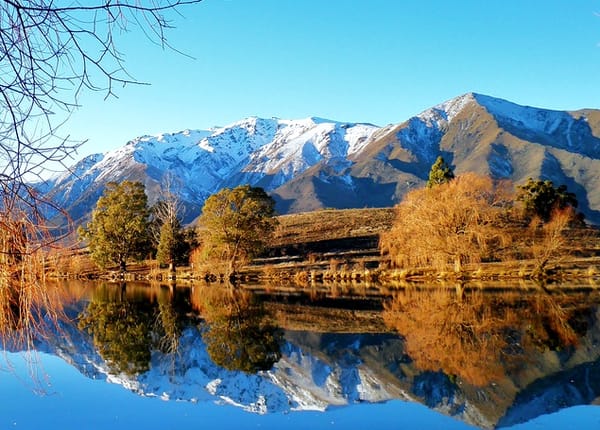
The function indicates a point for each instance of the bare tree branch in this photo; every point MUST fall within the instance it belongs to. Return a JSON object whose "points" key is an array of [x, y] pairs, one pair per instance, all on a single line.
{"points": [[51, 51]]}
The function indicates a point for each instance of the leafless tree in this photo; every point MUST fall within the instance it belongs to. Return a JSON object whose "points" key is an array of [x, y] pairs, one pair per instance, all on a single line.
{"points": [[549, 239], [50, 51], [169, 206]]}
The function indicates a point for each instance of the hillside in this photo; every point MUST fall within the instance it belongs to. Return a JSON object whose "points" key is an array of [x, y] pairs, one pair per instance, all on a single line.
{"points": [[474, 133], [314, 163], [324, 225]]}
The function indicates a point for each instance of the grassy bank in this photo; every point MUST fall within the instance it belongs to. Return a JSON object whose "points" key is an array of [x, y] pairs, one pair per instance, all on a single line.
{"points": [[342, 246]]}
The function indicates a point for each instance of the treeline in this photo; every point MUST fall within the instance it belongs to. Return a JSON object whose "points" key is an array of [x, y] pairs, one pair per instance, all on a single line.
{"points": [[452, 222], [234, 227], [470, 219]]}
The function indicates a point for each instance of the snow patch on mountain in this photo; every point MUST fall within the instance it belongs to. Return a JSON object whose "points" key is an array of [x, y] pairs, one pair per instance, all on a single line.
{"points": [[540, 120], [444, 113], [423, 133], [301, 144], [560, 129]]}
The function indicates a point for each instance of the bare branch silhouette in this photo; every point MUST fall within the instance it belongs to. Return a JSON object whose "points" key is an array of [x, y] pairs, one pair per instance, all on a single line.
{"points": [[50, 51]]}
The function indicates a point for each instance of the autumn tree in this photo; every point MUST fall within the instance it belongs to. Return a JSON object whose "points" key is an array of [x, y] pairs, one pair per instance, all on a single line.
{"points": [[448, 225], [119, 227], [440, 173], [541, 198], [548, 240], [236, 224]]}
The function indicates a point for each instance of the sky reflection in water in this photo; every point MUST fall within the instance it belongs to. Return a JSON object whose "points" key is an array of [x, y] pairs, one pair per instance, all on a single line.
{"points": [[72, 401], [59, 396]]}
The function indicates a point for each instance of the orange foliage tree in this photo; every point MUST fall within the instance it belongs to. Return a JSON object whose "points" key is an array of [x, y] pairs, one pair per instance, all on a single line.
{"points": [[450, 224], [482, 338]]}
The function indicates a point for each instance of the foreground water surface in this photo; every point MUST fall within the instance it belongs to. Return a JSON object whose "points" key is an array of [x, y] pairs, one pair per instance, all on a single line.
{"points": [[133, 355]]}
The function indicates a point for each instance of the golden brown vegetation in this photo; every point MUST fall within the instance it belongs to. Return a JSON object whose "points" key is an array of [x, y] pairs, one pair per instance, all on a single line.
{"points": [[328, 245], [549, 239], [331, 224], [479, 338], [449, 225], [29, 307], [472, 220]]}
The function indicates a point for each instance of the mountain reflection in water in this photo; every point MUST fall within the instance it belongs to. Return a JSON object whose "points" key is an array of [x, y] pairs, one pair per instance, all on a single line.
{"points": [[488, 359]]}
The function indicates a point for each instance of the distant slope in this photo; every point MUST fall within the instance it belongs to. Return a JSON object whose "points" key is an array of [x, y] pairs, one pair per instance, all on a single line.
{"points": [[314, 163], [474, 133]]}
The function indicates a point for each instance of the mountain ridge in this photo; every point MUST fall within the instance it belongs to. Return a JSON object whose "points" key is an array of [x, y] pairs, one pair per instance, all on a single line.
{"points": [[313, 163]]}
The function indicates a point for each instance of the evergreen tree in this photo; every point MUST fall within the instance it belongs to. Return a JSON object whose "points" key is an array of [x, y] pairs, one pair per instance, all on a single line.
{"points": [[237, 223], [440, 173], [541, 198], [172, 248], [119, 229], [172, 242]]}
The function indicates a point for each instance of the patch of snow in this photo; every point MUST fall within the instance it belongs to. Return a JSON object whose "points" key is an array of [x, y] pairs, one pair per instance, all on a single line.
{"points": [[534, 119], [445, 112]]}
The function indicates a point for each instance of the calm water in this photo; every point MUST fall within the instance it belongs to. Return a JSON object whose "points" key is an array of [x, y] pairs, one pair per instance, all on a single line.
{"points": [[134, 355]]}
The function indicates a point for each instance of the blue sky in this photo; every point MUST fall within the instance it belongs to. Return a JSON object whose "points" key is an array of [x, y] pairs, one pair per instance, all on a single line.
{"points": [[378, 61]]}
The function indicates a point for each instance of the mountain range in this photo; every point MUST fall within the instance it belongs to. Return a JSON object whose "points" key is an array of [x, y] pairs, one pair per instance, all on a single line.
{"points": [[319, 371], [315, 163]]}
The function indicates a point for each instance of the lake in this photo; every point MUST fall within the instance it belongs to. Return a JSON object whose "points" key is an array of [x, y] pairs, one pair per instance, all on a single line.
{"points": [[138, 355]]}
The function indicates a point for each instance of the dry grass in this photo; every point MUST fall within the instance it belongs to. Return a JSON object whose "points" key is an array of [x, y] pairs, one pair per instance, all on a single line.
{"points": [[332, 224], [29, 307]]}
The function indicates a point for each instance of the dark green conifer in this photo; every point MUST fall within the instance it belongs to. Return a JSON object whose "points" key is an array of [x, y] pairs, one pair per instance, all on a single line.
{"points": [[119, 229], [440, 173]]}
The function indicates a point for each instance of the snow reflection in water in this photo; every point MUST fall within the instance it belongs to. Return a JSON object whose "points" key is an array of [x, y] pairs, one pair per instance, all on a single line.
{"points": [[485, 359]]}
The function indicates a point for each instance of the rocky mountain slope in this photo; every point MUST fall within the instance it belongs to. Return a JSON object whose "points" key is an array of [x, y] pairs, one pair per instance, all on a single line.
{"points": [[314, 163]]}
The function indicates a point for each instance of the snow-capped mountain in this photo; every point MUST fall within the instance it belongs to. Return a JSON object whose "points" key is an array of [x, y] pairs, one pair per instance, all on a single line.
{"points": [[268, 152], [313, 163]]}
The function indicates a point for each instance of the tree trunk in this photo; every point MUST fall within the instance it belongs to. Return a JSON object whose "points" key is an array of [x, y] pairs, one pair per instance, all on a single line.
{"points": [[457, 265]]}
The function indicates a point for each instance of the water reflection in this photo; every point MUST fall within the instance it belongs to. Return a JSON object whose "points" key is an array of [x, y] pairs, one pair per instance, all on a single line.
{"points": [[120, 329], [488, 359], [29, 308], [481, 337], [239, 334]]}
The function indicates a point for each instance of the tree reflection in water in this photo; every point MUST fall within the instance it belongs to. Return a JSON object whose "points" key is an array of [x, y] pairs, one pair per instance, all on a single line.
{"points": [[168, 323], [239, 335], [125, 328], [120, 329], [30, 307], [481, 337]]}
